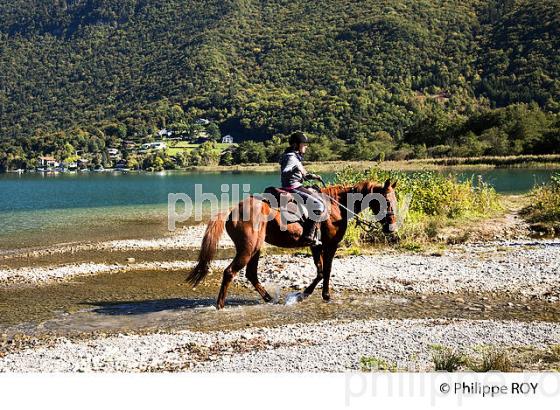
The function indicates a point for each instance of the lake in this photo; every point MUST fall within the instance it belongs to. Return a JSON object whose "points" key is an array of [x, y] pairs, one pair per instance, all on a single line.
{"points": [[38, 208]]}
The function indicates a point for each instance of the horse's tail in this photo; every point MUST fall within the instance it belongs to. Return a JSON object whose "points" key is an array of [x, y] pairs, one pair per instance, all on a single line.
{"points": [[214, 231]]}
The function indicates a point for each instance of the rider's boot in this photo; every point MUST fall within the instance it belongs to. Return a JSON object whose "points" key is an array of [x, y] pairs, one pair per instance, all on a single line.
{"points": [[309, 237]]}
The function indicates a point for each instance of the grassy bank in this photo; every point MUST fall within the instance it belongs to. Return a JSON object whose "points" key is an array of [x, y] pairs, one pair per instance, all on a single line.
{"points": [[430, 204], [429, 164], [512, 161], [543, 213]]}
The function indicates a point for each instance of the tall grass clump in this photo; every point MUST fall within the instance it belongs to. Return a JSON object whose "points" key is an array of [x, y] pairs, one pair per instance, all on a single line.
{"points": [[544, 205], [492, 359], [436, 199], [446, 359]]}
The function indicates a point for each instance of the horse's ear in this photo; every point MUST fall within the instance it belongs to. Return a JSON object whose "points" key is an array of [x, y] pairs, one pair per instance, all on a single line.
{"points": [[394, 184], [387, 184]]}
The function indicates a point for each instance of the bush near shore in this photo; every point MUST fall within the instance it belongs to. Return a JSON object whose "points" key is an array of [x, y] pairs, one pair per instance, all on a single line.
{"points": [[435, 201], [544, 209]]}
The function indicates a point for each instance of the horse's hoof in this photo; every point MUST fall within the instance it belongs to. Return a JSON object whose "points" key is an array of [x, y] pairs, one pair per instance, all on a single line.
{"points": [[295, 297], [326, 297]]}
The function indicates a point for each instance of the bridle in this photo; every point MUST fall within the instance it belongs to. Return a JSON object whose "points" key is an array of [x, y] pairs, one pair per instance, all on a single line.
{"points": [[368, 225]]}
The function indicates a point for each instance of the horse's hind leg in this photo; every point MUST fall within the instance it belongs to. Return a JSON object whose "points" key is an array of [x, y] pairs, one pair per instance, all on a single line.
{"points": [[318, 260], [328, 256], [251, 274], [239, 262]]}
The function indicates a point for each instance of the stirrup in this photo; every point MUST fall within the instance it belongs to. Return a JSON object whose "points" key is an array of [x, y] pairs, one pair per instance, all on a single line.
{"points": [[313, 242]]}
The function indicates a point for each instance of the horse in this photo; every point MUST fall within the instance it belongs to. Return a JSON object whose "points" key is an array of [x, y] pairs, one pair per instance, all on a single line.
{"points": [[263, 224]]}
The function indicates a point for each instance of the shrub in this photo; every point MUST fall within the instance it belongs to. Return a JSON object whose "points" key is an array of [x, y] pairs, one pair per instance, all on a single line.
{"points": [[545, 202], [493, 359], [433, 193], [446, 359], [434, 198]]}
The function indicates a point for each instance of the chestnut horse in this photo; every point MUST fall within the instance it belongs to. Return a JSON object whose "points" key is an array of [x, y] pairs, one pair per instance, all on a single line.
{"points": [[250, 234]]}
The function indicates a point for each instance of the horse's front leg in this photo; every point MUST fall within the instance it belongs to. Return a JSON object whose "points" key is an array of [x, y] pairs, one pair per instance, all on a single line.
{"points": [[328, 256], [318, 260]]}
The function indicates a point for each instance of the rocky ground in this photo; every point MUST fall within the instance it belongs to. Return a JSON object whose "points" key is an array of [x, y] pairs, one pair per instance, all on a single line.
{"points": [[327, 346]]}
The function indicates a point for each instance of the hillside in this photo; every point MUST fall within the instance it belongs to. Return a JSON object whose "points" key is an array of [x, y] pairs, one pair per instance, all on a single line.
{"points": [[345, 69]]}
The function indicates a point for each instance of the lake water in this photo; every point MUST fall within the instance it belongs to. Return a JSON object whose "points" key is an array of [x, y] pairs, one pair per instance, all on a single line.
{"points": [[46, 208]]}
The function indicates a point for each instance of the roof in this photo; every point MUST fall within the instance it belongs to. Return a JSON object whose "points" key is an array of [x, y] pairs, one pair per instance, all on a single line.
{"points": [[48, 158]]}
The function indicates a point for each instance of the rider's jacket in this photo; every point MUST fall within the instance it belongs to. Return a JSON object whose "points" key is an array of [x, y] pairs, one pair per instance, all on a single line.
{"points": [[292, 170]]}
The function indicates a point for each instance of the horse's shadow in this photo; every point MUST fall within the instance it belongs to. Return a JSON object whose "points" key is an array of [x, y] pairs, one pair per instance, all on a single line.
{"points": [[139, 307]]}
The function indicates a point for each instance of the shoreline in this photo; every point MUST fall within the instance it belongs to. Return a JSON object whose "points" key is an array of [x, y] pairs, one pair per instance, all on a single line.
{"points": [[500, 290], [525, 268], [548, 161], [503, 259]]}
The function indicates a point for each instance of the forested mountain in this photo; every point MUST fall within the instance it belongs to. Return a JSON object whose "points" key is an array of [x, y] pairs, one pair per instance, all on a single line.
{"points": [[419, 71]]}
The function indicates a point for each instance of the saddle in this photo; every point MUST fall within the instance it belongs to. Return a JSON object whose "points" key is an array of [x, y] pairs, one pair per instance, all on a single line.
{"points": [[290, 210]]}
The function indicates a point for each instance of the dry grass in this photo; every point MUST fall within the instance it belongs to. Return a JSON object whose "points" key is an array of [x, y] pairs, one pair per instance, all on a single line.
{"points": [[491, 359], [437, 203]]}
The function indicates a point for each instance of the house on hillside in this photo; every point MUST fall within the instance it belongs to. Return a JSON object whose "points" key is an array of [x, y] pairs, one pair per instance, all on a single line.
{"points": [[70, 166], [202, 121], [164, 133], [157, 146], [113, 153], [228, 139], [201, 134], [48, 162], [129, 145]]}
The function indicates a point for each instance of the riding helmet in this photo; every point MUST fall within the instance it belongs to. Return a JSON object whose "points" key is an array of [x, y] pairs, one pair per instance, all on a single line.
{"points": [[298, 137]]}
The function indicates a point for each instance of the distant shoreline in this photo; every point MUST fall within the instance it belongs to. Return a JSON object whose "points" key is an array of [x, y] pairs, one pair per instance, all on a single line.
{"points": [[551, 161]]}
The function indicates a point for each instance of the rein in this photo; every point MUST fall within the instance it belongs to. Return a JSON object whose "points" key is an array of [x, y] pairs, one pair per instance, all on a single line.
{"points": [[359, 221]]}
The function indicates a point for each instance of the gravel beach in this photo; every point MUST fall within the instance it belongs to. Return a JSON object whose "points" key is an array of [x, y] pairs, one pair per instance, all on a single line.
{"points": [[327, 346]]}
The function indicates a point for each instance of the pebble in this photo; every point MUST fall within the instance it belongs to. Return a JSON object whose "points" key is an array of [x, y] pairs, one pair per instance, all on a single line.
{"points": [[331, 346]]}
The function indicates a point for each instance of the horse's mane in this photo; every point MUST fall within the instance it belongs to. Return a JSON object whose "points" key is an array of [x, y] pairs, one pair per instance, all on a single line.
{"points": [[363, 187]]}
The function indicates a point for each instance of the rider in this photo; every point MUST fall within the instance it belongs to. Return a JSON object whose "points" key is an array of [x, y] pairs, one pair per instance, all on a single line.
{"points": [[293, 175]]}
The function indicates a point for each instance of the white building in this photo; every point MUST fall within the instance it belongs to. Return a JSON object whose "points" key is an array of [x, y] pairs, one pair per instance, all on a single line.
{"points": [[163, 133], [48, 161], [202, 121], [158, 145], [228, 139], [113, 153]]}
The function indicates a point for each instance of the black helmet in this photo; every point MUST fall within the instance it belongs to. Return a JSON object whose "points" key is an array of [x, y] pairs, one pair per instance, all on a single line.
{"points": [[298, 137]]}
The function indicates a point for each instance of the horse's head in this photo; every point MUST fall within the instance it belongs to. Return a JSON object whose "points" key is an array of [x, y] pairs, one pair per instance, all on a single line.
{"points": [[390, 220], [386, 212]]}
